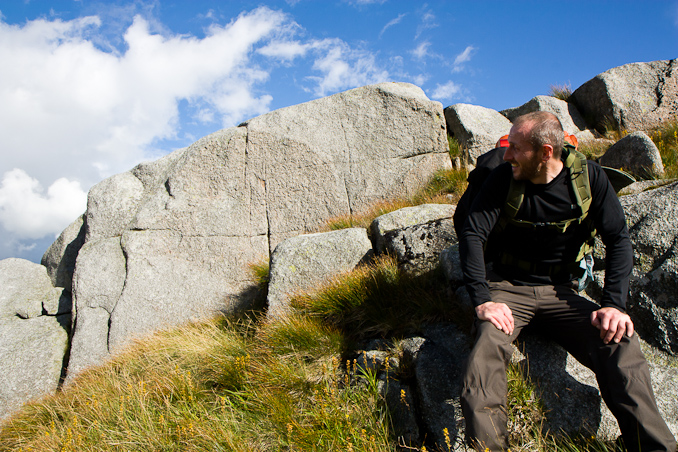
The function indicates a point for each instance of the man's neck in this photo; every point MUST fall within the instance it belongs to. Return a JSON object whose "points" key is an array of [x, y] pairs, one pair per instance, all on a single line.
{"points": [[549, 171]]}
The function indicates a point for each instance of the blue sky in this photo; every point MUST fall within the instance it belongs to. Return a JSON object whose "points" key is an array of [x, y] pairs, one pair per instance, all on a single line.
{"points": [[88, 89]]}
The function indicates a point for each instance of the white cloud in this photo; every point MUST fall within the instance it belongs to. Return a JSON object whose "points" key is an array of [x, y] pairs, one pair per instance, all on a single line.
{"points": [[27, 212], [288, 50], [343, 67], [446, 91], [428, 21], [75, 112], [462, 58], [392, 23], [421, 50]]}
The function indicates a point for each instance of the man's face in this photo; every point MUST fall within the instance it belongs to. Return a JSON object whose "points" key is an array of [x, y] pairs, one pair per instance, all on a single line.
{"points": [[526, 163]]}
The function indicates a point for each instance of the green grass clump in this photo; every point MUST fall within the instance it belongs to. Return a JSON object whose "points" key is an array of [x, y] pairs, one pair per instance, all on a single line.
{"points": [[377, 300], [455, 147]]}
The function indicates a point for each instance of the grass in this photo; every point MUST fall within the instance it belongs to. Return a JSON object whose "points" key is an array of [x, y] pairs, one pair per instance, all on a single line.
{"points": [[666, 139], [562, 92], [250, 384]]}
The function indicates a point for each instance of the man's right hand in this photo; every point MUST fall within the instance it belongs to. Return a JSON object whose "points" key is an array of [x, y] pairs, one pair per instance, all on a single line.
{"points": [[498, 314]]}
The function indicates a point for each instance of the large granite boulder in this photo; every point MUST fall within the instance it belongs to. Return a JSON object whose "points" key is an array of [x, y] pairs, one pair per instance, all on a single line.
{"points": [[637, 154], [476, 128], [309, 260], [415, 235], [633, 97], [169, 241], [567, 113], [652, 217], [34, 321]]}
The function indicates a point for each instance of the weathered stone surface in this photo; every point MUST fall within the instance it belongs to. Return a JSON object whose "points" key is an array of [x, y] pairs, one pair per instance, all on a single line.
{"points": [[306, 261], [438, 365], [450, 262], [98, 283], [111, 206], [637, 154], [415, 235], [570, 391], [189, 223], [477, 128], [59, 259], [652, 217], [32, 343], [567, 113], [198, 277], [343, 152], [635, 96]]}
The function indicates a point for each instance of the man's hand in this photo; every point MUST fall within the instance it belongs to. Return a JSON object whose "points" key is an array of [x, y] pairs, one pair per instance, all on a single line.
{"points": [[612, 324], [498, 314]]}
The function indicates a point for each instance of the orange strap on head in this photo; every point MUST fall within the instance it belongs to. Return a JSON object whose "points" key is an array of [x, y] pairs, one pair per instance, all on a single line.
{"points": [[503, 141]]}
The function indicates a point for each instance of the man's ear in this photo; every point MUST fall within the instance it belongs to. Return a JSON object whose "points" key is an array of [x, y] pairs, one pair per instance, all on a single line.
{"points": [[546, 152]]}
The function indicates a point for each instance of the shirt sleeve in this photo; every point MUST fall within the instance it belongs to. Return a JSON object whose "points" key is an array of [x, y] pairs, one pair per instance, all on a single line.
{"points": [[483, 216], [610, 223]]}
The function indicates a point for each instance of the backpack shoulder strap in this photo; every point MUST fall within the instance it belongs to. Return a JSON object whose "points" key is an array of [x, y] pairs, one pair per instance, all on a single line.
{"points": [[579, 177], [514, 198]]}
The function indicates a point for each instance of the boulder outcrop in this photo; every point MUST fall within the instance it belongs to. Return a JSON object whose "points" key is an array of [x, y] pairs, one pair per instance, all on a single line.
{"points": [[566, 112], [632, 97], [307, 261], [476, 128], [170, 241], [35, 321], [637, 154]]}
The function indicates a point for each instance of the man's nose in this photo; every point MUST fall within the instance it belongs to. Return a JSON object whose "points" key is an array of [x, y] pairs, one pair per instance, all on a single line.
{"points": [[508, 153]]}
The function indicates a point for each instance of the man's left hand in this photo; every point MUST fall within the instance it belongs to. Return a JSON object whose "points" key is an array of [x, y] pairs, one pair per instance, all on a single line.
{"points": [[612, 324]]}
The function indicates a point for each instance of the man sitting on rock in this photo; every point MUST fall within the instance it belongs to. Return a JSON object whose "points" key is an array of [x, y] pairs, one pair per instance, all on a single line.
{"points": [[529, 276]]}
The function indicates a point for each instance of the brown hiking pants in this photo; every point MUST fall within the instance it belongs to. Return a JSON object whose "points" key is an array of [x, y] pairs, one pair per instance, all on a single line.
{"points": [[564, 316]]}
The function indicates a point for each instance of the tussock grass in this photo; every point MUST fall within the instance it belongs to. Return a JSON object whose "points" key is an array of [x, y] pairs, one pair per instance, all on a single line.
{"points": [[562, 92], [665, 138], [377, 300], [212, 386]]}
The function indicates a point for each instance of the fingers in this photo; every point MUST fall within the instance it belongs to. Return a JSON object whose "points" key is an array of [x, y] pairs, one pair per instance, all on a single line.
{"points": [[498, 314], [612, 324]]}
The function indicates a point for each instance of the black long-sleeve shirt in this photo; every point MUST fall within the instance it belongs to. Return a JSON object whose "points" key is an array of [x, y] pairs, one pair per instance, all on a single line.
{"points": [[550, 202]]}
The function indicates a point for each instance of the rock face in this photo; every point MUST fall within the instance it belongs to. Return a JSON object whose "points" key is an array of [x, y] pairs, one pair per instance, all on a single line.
{"points": [[637, 154], [34, 320], [307, 261], [652, 217], [567, 113], [476, 128], [632, 97], [170, 241], [415, 235]]}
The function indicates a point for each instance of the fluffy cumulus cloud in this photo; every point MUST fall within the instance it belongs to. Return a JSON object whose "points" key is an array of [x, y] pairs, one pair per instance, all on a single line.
{"points": [[73, 113], [27, 212], [79, 106]]}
